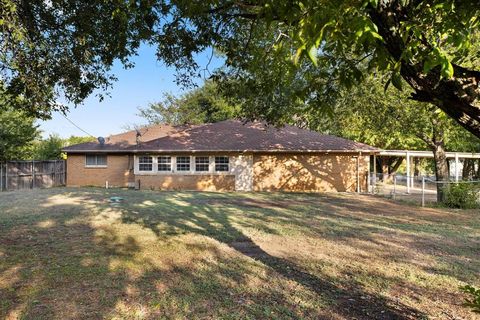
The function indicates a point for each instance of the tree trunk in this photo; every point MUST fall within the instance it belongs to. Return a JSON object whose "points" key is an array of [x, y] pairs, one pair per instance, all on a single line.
{"points": [[441, 168], [437, 145], [381, 167], [478, 170], [394, 165], [468, 169], [416, 169], [387, 166]]}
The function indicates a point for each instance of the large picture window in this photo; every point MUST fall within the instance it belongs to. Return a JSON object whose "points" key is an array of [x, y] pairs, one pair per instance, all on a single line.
{"points": [[202, 164], [164, 163], [145, 163], [95, 160], [222, 164], [183, 163]]}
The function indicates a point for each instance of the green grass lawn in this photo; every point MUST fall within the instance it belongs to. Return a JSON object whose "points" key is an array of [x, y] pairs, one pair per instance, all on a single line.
{"points": [[71, 254]]}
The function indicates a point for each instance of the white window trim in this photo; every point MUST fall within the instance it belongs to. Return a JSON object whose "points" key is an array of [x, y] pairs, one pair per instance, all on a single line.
{"points": [[228, 164], [154, 164], [173, 160], [174, 171], [211, 167], [96, 165], [194, 158], [190, 171]]}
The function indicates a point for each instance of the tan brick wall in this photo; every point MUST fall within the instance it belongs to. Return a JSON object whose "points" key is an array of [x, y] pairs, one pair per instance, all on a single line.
{"points": [[312, 173], [187, 182], [117, 172], [283, 172]]}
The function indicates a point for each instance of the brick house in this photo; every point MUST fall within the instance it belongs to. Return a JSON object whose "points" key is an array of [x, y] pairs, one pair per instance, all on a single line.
{"points": [[224, 156]]}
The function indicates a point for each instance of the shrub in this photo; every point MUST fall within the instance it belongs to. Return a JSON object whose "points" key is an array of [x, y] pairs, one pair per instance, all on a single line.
{"points": [[462, 196], [473, 300]]}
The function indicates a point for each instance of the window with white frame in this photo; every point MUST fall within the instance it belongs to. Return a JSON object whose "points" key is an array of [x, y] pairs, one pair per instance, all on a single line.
{"points": [[165, 163], [95, 160], [202, 164], [222, 164], [183, 163], [145, 163]]}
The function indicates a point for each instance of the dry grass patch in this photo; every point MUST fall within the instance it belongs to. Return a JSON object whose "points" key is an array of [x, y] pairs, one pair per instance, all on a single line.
{"points": [[71, 254]]}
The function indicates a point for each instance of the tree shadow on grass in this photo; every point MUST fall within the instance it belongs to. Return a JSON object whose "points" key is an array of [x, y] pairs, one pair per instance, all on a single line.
{"points": [[375, 221], [58, 270], [62, 267], [180, 214]]}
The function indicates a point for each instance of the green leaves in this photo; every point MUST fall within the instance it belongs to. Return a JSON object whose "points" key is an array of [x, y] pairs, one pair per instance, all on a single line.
{"points": [[72, 53], [17, 129], [373, 3], [438, 58], [67, 48], [397, 80], [447, 69], [205, 104], [473, 300], [312, 54]]}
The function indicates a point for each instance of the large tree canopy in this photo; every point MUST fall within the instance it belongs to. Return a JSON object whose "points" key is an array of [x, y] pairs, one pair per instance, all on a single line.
{"points": [[68, 46], [17, 130], [205, 104], [387, 120], [432, 45]]}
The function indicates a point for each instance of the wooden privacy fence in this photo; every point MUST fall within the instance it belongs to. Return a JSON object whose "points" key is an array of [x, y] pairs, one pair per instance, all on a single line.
{"points": [[18, 175]]}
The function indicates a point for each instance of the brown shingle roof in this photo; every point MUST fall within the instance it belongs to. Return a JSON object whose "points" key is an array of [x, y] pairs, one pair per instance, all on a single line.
{"points": [[123, 141], [147, 134], [229, 135], [233, 135]]}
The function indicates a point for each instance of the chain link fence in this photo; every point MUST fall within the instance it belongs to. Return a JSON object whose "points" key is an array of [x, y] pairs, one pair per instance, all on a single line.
{"points": [[421, 190]]}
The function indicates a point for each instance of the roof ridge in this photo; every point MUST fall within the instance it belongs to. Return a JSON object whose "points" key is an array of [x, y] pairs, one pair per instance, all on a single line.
{"points": [[145, 126]]}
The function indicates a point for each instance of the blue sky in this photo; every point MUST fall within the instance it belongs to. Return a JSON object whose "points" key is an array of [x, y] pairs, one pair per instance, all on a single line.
{"points": [[138, 86]]}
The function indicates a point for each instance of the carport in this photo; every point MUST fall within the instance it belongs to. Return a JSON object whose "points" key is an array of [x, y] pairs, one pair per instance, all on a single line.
{"points": [[409, 155]]}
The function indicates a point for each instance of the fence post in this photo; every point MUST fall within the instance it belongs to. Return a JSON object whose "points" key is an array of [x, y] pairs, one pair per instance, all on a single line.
{"points": [[394, 185], [64, 172], [423, 191], [408, 172], [6, 176], [369, 182], [33, 174], [55, 173], [1, 176]]}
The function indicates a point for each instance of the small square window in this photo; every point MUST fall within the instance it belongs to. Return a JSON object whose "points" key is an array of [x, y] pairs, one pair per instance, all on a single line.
{"points": [[183, 163], [145, 163], [91, 160], [96, 160], [222, 164], [164, 163], [202, 164]]}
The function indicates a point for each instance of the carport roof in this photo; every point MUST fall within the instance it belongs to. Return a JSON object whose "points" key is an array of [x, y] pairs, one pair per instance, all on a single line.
{"points": [[225, 136]]}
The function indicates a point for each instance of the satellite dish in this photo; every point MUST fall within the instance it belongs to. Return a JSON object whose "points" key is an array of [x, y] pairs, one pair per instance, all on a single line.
{"points": [[101, 140]]}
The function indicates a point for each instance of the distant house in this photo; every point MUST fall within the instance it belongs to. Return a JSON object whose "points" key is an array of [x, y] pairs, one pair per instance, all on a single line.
{"points": [[223, 156]]}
